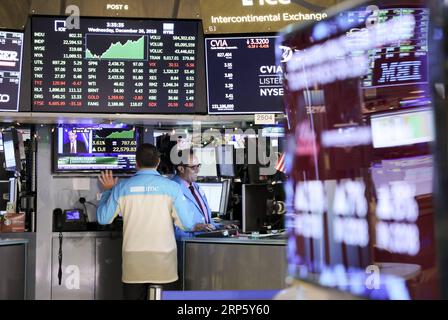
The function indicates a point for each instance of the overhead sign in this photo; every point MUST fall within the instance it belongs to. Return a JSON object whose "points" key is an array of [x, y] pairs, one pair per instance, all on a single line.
{"points": [[264, 118], [241, 16]]}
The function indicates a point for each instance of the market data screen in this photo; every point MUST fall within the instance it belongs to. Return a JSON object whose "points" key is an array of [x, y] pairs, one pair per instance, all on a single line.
{"points": [[400, 62], [242, 76], [115, 66]]}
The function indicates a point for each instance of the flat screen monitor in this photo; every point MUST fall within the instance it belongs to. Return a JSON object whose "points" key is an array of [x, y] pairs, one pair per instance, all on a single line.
{"points": [[217, 196], [402, 128], [226, 160], [258, 158], [11, 50], [261, 204], [242, 76], [91, 148], [417, 171], [11, 150], [396, 69], [273, 132], [111, 65], [207, 159]]}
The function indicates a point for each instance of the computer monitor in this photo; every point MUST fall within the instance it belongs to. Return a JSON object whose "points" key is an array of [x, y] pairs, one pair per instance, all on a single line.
{"points": [[226, 160], [11, 149], [217, 194], [165, 145], [257, 158], [207, 159], [395, 129], [263, 207]]}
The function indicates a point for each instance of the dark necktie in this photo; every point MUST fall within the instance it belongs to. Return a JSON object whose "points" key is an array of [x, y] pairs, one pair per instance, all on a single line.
{"points": [[193, 191]]}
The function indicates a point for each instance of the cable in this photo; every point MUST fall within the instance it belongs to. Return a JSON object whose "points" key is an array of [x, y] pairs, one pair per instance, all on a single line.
{"points": [[92, 204], [83, 201]]}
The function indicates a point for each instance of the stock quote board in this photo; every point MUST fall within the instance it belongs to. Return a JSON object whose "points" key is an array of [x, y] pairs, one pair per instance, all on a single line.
{"points": [[11, 47], [242, 75], [115, 65]]}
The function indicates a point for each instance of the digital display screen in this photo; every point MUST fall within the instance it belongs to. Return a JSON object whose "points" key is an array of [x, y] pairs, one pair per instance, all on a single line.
{"points": [[402, 128], [213, 193], [115, 65], [11, 46], [242, 76], [207, 159], [226, 161], [72, 215], [400, 62], [11, 150], [10, 156], [95, 147]]}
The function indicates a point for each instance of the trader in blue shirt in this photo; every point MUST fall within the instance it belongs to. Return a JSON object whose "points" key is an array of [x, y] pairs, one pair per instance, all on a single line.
{"points": [[150, 205], [187, 174]]}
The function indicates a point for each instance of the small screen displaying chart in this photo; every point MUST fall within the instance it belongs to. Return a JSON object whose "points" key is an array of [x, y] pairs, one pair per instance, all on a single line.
{"points": [[95, 147], [115, 65], [402, 128]]}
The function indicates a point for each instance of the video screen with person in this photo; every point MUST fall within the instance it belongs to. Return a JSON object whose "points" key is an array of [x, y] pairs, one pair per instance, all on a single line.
{"points": [[91, 148], [75, 140]]}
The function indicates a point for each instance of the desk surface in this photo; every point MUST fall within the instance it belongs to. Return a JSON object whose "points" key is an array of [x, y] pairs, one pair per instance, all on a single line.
{"points": [[88, 234], [239, 240]]}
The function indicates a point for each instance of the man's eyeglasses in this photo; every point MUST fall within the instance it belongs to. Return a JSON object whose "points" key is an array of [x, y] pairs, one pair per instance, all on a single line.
{"points": [[195, 167]]}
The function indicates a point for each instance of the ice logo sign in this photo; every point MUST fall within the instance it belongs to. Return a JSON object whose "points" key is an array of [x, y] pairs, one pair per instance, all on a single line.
{"points": [[286, 54], [72, 22], [59, 26]]}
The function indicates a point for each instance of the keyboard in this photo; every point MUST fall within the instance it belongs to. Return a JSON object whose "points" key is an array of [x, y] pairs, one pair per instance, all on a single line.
{"points": [[224, 233]]}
